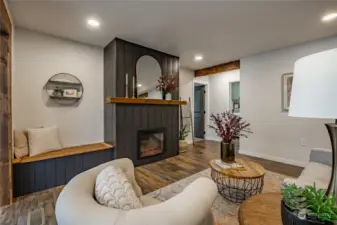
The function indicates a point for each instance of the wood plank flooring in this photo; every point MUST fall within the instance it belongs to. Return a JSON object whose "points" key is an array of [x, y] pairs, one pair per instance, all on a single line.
{"points": [[156, 175]]}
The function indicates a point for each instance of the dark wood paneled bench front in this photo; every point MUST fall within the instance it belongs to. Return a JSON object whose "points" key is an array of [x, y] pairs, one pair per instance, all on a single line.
{"points": [[37, 173]]}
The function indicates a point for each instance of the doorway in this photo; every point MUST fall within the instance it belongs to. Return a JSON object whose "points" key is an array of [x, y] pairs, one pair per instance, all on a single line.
{"points": [[199, 110]]}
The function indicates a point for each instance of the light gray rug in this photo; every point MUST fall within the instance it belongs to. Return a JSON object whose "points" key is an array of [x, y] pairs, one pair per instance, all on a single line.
{"points": [[225, 212]]}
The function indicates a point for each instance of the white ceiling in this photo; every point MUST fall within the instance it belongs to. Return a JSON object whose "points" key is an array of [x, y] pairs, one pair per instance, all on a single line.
{"points": [[220, 30]]}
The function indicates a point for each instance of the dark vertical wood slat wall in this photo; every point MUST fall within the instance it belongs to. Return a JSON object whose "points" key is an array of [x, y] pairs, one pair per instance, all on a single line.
{"points": [[142, 117], [36, 176], [128, 119], [109, 81]]}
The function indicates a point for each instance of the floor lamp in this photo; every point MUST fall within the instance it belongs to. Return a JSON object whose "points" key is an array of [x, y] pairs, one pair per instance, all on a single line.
{"points": [[314, 95]]}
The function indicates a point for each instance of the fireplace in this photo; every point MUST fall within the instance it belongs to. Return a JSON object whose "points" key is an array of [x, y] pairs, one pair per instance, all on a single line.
{"points": [[151, 142]]}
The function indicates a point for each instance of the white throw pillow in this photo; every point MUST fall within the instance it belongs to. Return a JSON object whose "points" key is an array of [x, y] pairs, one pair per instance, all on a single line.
{"points": [[42, 140], [114, 190]]}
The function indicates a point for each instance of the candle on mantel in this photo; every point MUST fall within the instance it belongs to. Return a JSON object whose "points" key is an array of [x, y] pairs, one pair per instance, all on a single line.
{"points": [[126, 85], [133, 87]]}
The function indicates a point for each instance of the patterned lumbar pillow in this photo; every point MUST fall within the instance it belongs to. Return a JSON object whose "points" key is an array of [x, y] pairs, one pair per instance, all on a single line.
{"points": [[114, 190]]}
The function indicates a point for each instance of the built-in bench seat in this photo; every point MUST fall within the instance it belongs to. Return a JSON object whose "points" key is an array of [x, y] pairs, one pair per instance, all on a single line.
{"points": [[53, 169], [75, 150]]}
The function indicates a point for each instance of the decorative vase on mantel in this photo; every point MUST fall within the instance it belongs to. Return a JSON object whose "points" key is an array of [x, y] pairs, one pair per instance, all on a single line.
{"points": [[166, 96], [228, 152], [163, 95]]}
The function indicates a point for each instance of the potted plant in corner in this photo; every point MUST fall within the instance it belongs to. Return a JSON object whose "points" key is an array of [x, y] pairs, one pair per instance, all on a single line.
{"points": [[228, 127], [183, 133], [166, 84], [307, 206]]}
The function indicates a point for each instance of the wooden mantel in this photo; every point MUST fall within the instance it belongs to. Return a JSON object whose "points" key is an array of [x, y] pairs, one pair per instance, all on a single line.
{"points": [[145, 101]]}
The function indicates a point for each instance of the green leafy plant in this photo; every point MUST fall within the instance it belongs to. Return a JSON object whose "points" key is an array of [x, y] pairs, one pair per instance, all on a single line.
{"points": [[183, 133], [293, 197], [311, 202]]}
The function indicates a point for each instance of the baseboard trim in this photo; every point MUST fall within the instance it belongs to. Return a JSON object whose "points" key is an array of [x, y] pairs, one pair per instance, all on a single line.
{"points": [[274, 158], [210, 138], [264, 156]]}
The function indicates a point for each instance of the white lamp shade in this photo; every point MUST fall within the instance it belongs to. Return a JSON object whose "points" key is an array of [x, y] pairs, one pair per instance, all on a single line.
{"points": [[314, 89]]}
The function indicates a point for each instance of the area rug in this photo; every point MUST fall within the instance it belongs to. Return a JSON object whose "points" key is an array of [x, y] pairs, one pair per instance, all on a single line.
{"points": [[224, 211]]}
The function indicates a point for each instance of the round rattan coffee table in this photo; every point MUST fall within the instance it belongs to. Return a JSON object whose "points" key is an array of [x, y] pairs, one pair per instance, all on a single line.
{"points": [[238, 184]]}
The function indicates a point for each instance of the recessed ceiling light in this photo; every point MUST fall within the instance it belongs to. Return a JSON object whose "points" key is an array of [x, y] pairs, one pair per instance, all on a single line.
{"points": [[139, 85], [93, 23], [329, 17], [198, 57]]}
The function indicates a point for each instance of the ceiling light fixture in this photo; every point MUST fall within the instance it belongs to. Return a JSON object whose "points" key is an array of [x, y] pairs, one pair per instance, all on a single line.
{"points": [[93, 23], [329, 17], [139, 85], [198, 57]]}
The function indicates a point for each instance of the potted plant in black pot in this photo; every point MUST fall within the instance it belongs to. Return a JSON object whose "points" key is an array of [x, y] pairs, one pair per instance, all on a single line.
{"points": [[229, 127], [307, 206]]}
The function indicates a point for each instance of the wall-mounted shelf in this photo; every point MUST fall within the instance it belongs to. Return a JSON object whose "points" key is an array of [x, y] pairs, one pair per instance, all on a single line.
{"points": [[64, 89], [65, 82], [120, 100], [65, 98]]}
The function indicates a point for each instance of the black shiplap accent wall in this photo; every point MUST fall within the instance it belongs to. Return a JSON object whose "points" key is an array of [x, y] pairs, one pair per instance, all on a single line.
{"points": [[132, 118], [120, 58], [121, 121], [37, 176]]}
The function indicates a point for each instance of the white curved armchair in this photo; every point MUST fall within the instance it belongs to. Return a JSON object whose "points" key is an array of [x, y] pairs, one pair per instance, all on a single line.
{"points": [[76, 204]]}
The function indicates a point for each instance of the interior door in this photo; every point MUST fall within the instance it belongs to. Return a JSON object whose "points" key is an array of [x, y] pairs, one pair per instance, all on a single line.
{"points": [[199, 111]]}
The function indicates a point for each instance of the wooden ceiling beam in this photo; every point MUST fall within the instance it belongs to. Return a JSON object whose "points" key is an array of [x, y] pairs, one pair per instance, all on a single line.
{"points": [[234, 65]]}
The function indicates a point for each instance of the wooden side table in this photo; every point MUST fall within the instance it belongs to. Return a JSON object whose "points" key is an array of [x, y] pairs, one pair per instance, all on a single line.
{"points": [[238, 184], [262, 209]]}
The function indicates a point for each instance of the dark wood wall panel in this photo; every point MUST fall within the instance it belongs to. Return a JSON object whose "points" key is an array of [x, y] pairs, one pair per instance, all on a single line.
{"points": [[122, 122], [127, 55], [109, 90], [5, 106], [41, 175], [132, 118]]}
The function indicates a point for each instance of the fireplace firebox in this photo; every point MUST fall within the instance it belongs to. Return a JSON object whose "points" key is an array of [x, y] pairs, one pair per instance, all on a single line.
{"points": [[151, 142]]}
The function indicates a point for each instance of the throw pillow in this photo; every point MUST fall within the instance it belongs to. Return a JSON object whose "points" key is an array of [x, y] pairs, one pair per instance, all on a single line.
{"points": [[42, 140], [114, 190], [20, 144]]}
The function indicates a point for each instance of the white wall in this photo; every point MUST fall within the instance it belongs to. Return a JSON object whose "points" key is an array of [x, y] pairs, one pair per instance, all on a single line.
{"points": [[277, 136], [37, 58], [186, 77], [219, 96]]}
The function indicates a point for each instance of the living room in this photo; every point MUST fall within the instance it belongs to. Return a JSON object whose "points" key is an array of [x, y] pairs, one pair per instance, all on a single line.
{"points": [[141, 90]]}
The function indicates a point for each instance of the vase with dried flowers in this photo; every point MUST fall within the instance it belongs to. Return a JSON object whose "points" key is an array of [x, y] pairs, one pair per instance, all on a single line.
{"points": [[229, 127], [167, 84]]}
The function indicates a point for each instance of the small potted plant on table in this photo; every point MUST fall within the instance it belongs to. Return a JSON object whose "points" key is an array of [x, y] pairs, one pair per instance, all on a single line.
{"points": [[307, 206], [228, 127], [183, 133]]}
